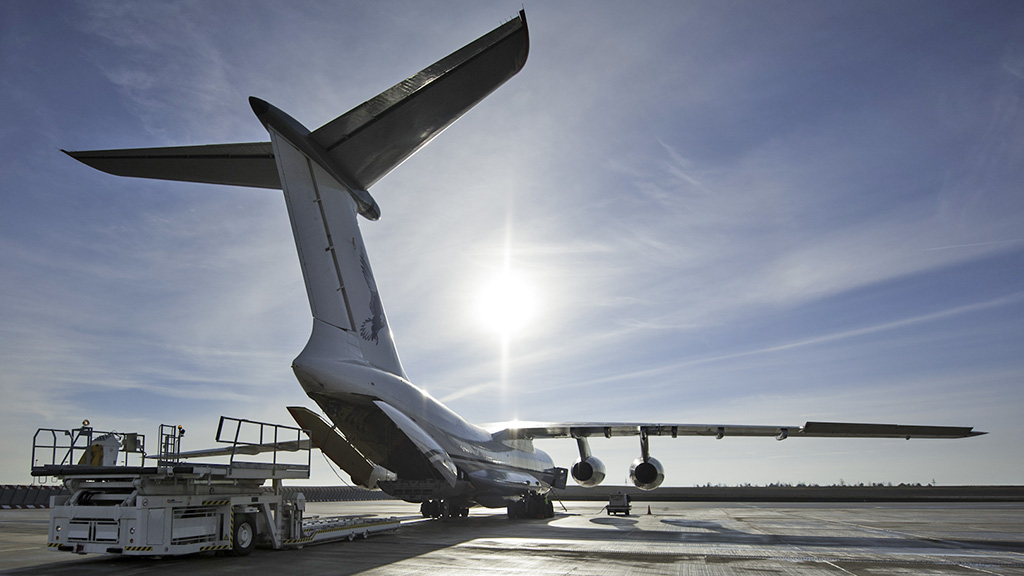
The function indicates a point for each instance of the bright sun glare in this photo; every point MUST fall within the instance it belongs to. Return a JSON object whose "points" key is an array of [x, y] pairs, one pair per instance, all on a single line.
{"points": [[506, 304]]}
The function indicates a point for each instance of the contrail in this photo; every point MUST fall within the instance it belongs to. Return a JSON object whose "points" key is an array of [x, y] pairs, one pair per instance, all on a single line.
{"points": [[973, 245]]}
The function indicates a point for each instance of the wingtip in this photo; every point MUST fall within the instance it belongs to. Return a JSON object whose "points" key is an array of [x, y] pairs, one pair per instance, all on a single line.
{"points": [[259, 106], [526, 30]]}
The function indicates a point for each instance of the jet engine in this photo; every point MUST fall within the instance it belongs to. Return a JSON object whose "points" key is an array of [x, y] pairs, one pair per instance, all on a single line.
{"points": [[588, 471], [646, 475]]}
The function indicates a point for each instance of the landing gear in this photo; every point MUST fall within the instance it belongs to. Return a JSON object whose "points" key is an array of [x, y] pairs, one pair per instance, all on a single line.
{"points": [[443, 509], [532, 506], [427, 508]]}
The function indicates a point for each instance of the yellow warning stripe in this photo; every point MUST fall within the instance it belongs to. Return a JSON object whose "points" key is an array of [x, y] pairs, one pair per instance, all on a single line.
{"points": [[138, 548], [216, 547], [216, 502], [52, 544]]}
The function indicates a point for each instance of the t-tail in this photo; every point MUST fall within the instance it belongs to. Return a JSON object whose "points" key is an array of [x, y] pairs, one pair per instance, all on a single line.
{"points": [[326, 173]]}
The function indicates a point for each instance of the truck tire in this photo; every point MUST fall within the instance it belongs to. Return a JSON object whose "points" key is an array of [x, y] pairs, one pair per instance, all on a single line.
{"points": [[243, 540]]}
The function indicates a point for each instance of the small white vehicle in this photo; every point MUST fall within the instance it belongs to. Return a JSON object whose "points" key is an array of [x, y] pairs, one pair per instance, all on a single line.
{"points": [[177, 507]]}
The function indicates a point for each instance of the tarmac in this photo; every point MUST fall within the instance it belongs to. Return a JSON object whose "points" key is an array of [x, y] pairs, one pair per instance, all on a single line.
{"points": [[689, 538]]}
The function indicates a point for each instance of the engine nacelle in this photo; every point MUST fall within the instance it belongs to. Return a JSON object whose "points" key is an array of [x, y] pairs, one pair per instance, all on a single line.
{"points": [[588, 472], [646, 475]]}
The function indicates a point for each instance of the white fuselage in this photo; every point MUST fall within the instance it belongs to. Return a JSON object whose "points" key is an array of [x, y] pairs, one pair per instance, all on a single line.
{"points": [[491, 472]]}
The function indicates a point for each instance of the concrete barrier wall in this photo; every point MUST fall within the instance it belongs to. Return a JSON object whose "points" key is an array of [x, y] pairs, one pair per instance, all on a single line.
{"points": [[21, 496]]}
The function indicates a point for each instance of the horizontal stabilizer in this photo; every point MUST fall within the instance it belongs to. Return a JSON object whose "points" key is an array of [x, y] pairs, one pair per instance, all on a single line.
{"points": [[249, 164], [368, 141], [360, 146], [336, 447]]}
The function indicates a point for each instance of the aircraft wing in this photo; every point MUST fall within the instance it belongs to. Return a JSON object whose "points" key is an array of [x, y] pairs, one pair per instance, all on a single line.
{"points": [[808, 430]]}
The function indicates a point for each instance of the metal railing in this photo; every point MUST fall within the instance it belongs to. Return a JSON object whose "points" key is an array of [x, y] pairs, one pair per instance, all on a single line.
{"points": [[170, 444], [269, 441], [78, 447]]}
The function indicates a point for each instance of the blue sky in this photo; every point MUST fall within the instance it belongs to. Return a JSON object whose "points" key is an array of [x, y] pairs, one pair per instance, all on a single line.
{"points": [[729, 212]]}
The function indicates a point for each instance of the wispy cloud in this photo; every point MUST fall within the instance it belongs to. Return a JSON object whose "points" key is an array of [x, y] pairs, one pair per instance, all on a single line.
{"points": [[753, 212]]}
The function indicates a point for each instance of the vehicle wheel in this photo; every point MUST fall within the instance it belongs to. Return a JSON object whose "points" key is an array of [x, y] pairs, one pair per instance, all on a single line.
{"points": [[244, 538]]}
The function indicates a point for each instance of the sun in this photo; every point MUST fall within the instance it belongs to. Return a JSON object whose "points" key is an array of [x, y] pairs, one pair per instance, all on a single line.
{"points": [[506, 303]]}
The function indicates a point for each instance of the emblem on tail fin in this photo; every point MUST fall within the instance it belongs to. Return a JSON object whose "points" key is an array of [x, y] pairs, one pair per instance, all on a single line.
{"points": [[376, 322]]}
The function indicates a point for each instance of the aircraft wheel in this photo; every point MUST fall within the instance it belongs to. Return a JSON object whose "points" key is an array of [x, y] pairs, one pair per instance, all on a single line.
{"points": [[434, 509]]}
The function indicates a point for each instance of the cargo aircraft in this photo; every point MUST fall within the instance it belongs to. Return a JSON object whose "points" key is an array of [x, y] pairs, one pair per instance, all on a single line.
{"points": [[383, 430]]}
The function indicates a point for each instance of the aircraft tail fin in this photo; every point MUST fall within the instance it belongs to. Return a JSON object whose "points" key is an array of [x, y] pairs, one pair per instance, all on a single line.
{"points": [[325, 175], [339, 281]]}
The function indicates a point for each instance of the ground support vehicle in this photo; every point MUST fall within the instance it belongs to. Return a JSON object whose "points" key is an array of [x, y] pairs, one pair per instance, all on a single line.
{"points": [[618, 504], [173, 506]]}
